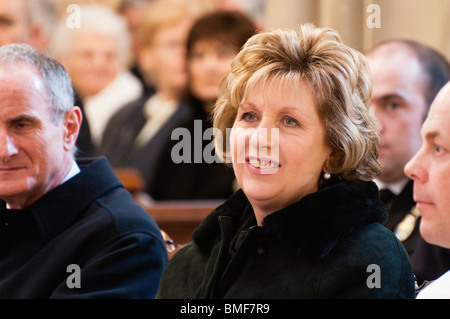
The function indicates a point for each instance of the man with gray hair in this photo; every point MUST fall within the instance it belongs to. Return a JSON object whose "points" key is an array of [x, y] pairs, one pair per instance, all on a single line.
{"points": [[32, 22], [69, 228]]}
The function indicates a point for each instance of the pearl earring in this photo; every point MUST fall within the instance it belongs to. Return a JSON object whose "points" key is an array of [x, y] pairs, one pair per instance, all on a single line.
{"points": [[326, 175]]}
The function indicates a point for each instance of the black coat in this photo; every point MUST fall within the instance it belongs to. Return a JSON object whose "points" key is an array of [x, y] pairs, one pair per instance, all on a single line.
{"points": [[118, 142], [89, 221], [398, 208], [330, 244], [165, 179], [195, 179]]}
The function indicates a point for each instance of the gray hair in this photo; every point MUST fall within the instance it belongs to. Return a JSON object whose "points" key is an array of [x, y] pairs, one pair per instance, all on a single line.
{"points": [[93, 18], [56, 80]]}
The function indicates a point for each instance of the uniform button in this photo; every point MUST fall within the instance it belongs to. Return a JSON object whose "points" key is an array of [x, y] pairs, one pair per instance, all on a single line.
{"points": [[260, 251]]}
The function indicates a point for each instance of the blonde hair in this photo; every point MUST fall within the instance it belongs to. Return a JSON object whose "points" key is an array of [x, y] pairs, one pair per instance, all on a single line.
{"points": [[337, 74], [160, 14]]}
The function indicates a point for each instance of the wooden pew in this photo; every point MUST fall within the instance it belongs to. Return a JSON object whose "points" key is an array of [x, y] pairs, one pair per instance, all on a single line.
{"points": [[177, 219]]}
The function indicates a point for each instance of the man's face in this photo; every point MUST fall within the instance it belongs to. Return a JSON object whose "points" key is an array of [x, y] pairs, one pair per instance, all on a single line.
{"points": [[33, 150], [14, 22], [399, 103], [430, 170]]}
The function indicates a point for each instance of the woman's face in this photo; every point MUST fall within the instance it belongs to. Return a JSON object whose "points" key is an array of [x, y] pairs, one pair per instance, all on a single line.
{"points": [[209, 62], [277, 145], [165, 59], [93, 63]]}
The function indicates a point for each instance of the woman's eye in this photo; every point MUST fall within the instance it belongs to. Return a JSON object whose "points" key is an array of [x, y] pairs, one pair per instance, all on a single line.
{"points": [[437, 149], [289, 121], [248, 116]]}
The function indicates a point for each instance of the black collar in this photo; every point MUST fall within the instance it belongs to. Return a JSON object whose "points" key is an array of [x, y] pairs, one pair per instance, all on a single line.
{"points": [[57, 209], [313, 225]]}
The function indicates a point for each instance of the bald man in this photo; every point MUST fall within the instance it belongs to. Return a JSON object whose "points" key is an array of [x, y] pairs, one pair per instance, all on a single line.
{"points": [[430, 170]]}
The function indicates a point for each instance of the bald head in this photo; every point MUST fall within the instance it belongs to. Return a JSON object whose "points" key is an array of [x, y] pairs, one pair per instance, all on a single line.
{"points": [[443, 98], [430, 170]]}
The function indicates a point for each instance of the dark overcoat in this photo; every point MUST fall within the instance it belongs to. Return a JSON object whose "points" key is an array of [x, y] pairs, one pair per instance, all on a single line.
{"points": [[86, 238], [330, 244]]}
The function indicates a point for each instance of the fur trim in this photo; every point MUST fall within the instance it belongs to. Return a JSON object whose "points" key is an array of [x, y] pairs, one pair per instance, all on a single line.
{"points": [[314, 225]]}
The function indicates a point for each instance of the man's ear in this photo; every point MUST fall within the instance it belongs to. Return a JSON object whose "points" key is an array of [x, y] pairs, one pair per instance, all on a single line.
{"points": [[72, 124]]}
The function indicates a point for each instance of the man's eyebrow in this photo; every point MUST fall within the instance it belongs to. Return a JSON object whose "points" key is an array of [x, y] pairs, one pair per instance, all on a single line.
{"points": [[23, 118], [391, 96], [6, 19], [431, 135]]}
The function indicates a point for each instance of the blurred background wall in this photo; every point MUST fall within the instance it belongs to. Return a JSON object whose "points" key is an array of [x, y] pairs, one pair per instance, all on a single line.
{"points": [[427, 21]]}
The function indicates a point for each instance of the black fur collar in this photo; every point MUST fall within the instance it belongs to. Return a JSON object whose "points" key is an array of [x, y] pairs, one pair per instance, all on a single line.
{"points": [[314, 225]]}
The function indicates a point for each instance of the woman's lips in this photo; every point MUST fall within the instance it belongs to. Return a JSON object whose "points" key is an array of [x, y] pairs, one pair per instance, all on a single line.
{"points": [[262, 166]]}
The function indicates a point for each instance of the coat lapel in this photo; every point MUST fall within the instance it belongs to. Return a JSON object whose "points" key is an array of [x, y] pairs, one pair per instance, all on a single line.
{"points": [[314, 225]]}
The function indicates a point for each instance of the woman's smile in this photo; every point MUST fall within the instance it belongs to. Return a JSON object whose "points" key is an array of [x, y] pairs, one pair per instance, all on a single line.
{"points": [[262, 166]]}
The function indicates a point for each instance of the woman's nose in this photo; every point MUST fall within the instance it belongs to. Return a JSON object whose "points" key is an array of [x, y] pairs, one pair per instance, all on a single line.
{"points": [[266, 137]]}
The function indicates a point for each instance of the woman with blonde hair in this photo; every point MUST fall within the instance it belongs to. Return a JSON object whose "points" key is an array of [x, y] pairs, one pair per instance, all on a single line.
{"points": [[307, 221]]}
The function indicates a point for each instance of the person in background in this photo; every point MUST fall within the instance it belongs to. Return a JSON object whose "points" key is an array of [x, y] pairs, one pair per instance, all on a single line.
{"points": [[255, 9], [32, 22], [68, 228], [132, 11], [96, 57], [430, 170], [136, 135], [213, 42], [307, 221], [25, 21], [406, 77]]}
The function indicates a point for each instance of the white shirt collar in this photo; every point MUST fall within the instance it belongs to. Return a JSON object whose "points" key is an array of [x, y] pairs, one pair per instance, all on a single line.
{"points": [[395, 187], [74, 170]]}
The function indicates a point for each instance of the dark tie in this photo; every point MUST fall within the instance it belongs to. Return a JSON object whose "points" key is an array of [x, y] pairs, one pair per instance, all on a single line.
{"points": [[386, 195]]}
